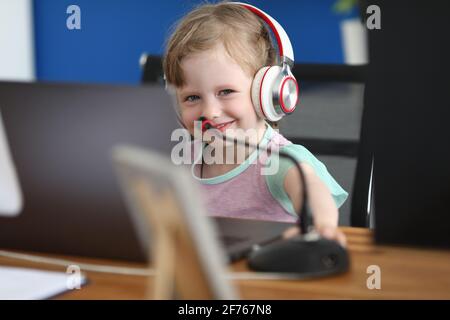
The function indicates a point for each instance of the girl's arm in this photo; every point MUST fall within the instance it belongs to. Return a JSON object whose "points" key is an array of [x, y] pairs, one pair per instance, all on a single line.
{"points": [[323, 207]]}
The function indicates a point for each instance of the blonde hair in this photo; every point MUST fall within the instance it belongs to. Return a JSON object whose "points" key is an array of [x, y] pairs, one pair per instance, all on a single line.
{"points": [[243, 35]]}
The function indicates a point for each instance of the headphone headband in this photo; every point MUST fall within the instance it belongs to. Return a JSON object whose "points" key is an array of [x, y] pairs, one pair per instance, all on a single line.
{"points": [[284, 44]]}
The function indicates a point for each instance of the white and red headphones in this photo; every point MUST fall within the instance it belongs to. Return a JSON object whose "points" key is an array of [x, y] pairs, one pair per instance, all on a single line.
{"points": [[274, 90]]}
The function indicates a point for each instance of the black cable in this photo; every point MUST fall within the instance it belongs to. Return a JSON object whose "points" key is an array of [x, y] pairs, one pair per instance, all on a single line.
{"points": [[303, 213]]}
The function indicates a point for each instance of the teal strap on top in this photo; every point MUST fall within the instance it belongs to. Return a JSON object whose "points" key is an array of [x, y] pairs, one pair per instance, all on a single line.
{"points": [[275, 182]]}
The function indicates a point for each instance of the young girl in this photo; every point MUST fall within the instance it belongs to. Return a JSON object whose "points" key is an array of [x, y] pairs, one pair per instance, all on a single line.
{"points": [[210, 64]]}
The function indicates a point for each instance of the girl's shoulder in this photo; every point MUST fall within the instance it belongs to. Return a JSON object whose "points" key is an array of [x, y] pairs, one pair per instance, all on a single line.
{"points": [[301, 154], [276, 139], [282, 144]]}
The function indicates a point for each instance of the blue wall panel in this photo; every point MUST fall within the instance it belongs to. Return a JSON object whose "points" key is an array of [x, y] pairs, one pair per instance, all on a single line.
{"points": [[114, 33]]}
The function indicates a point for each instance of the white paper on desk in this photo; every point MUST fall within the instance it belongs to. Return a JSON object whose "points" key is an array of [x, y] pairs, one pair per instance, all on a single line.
{"points": [[31, 284]]}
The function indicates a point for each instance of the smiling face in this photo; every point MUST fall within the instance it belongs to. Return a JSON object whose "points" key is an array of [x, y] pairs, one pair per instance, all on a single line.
{"points": [[217, 88]]}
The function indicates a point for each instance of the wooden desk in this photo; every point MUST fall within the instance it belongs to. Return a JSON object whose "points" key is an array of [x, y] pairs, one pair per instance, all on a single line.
{"points": [[405, 274]]}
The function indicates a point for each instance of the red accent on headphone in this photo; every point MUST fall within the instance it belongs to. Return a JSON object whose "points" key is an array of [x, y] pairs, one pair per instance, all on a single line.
{"points": [[283, 106]]}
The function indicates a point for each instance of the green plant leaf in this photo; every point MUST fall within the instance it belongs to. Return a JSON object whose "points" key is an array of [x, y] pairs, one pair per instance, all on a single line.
{"points": [[344, 6]]}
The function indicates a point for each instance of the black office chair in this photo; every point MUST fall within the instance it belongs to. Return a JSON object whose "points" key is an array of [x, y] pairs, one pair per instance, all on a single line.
{"points": [[152, 73], [151, 67], [361, 150]]}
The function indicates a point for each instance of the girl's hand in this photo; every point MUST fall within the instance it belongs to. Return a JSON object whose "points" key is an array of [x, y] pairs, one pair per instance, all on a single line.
{"points": [[328, 232], [332, 233]]}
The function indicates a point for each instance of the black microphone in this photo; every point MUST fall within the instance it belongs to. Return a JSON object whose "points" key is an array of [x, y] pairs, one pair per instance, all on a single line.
{"points": [[305, 256]]}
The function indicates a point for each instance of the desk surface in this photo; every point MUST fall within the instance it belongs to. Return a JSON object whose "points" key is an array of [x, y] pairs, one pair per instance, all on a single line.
{"points": [[406, 273]]}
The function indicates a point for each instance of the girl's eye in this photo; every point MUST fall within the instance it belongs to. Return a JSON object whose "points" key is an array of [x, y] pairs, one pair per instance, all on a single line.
{"points": [[226, 92], [191, 98]]}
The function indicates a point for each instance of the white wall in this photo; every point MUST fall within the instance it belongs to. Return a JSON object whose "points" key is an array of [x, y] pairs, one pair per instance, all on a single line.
{"points": [[354, 41], [16, 40]]}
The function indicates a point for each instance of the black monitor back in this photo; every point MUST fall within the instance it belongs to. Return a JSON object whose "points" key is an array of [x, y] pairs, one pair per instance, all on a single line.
{"points": [[408, 97], [61, 137]]}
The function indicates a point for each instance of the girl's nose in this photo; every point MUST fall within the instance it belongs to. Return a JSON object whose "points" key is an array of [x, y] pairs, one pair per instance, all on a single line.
{"points": [[211, 109]]}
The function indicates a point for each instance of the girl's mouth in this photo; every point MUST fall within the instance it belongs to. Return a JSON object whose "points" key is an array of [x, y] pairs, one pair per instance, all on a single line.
{"points": [[223, 126]]}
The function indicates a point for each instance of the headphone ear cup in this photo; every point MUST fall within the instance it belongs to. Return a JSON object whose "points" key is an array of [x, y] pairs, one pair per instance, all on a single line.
{"points": [[256, 89], [262, 87]]}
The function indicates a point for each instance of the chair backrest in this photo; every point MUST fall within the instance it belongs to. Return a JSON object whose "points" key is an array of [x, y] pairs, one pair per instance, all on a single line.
{"points": [[344, 146], [364, 169], [152, 71]]}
